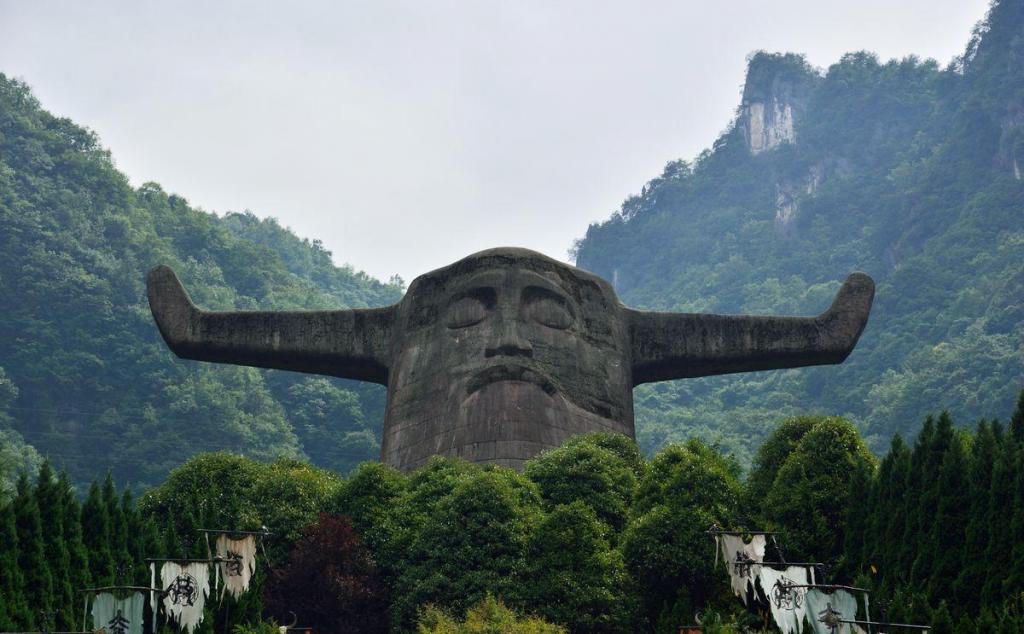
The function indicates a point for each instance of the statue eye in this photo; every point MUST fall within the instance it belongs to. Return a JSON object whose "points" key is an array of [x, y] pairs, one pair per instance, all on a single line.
{"points": [[550, 312], [466, 312]]}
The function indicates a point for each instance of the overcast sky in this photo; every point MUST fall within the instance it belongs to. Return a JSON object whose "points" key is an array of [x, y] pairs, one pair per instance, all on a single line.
{"points": [[406, 135]]}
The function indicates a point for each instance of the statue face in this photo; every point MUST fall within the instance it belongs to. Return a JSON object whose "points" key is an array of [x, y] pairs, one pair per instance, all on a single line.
{"points": [[501, 352]]}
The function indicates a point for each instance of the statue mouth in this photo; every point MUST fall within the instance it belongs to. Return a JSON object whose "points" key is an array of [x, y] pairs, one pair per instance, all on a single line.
{"points": [[507, 372]]}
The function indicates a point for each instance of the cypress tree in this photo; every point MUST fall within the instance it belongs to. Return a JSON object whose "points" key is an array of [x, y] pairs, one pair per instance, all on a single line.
{"points": [[96, 535], [14, 615], [1015, 573], [974, 566], [912, 497], [1000, 516], [38, 589], [51, 512], [951, 516], [893, 516], [928, 503], [118, 530], [857, 518], [1017, 421], [78, 556]]}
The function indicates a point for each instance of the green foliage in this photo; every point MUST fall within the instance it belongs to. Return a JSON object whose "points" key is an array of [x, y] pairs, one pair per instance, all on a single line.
{"points": [[899, 168], [225, 491], [812, 489], [473, 543], [96, 387], [488, 616], [574, 578], [584, 471]]}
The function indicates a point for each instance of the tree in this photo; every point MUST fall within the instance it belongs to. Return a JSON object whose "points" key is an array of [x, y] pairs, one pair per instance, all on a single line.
{"points": [[685, 490], [974, 570], [329, 582], [573, 577], [96, 536], [495, 511], [78, 556], [51, 513], [586, 472], [38, 586], [812, 489], [772, 454], [13, 607]]}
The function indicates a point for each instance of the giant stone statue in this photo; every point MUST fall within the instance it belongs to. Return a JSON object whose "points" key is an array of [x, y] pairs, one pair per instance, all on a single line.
{"points": [[507, 352]]}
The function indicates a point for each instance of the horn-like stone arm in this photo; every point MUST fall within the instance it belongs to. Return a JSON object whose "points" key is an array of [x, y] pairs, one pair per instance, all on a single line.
{"points": [[669, 346], [351, 344]]}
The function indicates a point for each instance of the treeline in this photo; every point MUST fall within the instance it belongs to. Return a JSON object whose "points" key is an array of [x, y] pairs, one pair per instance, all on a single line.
{"points": [[52, 547], [940, 525], [592, 536]]}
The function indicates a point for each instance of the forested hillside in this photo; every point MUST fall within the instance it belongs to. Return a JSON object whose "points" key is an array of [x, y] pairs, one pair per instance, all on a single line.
{"points": [[903, 169], [84, 375]]}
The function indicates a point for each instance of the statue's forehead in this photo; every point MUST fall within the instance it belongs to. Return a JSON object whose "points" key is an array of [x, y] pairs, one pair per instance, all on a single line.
{"points": [[515, 269]]}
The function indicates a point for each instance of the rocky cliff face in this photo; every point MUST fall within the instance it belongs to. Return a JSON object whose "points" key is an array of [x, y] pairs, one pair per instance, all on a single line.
{"points": [[774, 97]]}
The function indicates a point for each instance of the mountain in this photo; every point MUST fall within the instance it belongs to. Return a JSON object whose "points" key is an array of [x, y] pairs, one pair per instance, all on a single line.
{"points": [[903, 169], [84, 376]]}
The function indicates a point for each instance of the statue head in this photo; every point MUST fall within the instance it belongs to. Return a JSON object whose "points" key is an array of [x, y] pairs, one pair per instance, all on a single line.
{"points": [[507, 352], [501, 355]]}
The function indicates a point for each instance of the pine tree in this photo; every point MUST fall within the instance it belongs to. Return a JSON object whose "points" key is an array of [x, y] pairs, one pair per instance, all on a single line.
{"points": [[51, 512], [38, 589], [96, 535], [78, 556], [14, 615]]}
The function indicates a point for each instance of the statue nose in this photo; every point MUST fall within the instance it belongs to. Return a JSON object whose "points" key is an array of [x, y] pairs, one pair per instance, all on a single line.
{"points": [[507, 342]]}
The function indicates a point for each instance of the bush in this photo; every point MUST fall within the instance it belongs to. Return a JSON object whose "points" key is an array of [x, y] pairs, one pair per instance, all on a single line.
{"points": [[489, 616]]}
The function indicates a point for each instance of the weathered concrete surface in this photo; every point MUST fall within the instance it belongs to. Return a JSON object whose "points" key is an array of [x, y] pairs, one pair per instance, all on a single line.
{"points": [[507, 352]]}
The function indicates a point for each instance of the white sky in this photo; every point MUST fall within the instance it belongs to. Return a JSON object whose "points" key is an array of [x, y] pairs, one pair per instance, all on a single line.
{"points": [[406, 135]]}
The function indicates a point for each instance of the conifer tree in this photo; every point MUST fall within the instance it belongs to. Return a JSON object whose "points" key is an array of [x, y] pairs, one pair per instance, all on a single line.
{"points": [[51, 512], [96, 535], [1017, 421], [14, 611], [912, 496], [924, 540], [892, 518], [78, 556], [1000, 514], [38, 588], [863, 488], [951, 516], [1014, 577], [118, 530], [974, 565]]}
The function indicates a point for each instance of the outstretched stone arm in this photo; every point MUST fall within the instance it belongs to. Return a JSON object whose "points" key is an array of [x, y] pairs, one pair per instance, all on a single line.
{"points": [[669, 346], [351, 344]]}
